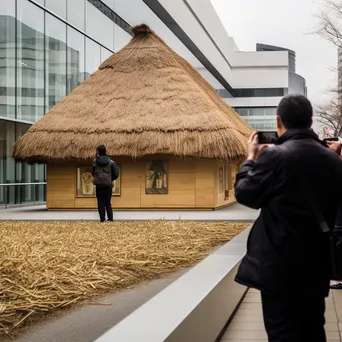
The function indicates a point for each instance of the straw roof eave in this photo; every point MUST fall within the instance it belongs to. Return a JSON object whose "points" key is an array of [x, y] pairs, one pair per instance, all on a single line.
{"points": [[178, 144], [143, 100]]}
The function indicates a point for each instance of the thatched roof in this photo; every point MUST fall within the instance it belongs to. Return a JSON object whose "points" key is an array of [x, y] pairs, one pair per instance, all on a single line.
{"points": [[143, 100]]}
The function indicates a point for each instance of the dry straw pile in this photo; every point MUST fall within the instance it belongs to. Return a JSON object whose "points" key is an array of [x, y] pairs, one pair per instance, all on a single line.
{"points": [[143, 100], [48, 266]]}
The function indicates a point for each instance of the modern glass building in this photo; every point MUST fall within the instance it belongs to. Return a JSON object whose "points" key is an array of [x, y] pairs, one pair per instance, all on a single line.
{"points": [[48, 47]]}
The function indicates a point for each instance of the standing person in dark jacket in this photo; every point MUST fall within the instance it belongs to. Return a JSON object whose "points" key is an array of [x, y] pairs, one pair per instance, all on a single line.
{"points": [[287, 254], [336, 147], [105, 171]]}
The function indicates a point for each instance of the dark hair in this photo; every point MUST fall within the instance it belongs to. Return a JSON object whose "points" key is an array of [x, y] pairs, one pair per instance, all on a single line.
{"points": [[295, 111], [102, 150]]}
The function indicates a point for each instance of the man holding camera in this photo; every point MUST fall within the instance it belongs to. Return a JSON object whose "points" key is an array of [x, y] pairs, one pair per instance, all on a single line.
{"points": [[288, 255]]}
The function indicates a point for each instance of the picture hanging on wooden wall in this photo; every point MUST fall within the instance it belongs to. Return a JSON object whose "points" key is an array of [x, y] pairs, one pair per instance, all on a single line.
{"points": [[85, 186], [156, 178]]}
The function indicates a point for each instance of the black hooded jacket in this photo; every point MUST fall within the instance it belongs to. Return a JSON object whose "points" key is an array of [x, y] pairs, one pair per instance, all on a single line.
{"points": [[286, 250]]}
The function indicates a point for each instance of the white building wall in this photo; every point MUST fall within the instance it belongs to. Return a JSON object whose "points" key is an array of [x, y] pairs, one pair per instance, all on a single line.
{"points": [[254, 101], [260, 77]]}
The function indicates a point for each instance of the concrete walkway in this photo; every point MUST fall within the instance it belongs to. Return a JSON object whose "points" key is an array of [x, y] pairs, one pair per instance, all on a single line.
{"points": [[40, 213], [248, 326]]}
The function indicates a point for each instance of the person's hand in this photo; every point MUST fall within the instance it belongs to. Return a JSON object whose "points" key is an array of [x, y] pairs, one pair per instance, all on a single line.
{"points": [[254, 149], [334, 145]]}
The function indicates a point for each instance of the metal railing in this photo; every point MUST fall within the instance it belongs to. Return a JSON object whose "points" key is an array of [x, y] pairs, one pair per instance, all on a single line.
{"points": [[6, 194]]}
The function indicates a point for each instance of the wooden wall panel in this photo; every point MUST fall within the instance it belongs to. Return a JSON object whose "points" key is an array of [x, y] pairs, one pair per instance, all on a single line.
{"points": [[60, 192], [131, 175], [182, 166], [85, 203], [205, 183], [191, 184]]}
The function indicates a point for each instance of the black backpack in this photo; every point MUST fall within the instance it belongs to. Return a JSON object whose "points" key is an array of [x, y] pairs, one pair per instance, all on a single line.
{"points": [[103, 175]]}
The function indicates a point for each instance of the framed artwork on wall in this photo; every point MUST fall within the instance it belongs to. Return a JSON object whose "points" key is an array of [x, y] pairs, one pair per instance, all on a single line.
{"points": [[85, 186], [156, 178]]}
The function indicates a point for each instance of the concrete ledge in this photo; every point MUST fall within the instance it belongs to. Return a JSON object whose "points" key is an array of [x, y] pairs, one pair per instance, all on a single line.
{"points": [[196, 307]]}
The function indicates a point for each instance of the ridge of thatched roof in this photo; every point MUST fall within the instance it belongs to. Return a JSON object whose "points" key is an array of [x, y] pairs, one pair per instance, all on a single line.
{"points": [[143, 100]]}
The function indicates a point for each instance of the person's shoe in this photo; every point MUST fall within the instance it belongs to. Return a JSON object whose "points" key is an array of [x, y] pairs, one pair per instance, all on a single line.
{"points": [[110, 220], [337, 286]]}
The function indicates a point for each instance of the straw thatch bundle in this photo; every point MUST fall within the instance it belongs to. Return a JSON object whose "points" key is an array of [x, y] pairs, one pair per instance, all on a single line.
{"points": [[143, 100], [46, 266]]}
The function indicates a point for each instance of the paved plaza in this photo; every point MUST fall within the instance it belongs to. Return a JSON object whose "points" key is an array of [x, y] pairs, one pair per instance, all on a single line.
{"points": [[247, 325], [40, 213]]}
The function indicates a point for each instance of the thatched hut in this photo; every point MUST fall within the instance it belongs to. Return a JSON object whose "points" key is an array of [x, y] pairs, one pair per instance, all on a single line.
{"points": [[178, 144]]}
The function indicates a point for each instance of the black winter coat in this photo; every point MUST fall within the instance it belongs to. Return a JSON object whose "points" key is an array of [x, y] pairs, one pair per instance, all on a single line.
{"points": [[286, 251]]}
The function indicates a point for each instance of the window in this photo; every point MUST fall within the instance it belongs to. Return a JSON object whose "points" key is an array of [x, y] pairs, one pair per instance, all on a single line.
{"points": [[93, 57], [258, 92], [55, 61], [109, 3], [7, 56], [271, 111], [58, 7], [75, 59], [256, 111], [99, 26], [76, 13], [30, 63], [261, 118], [242, 111], [105, 54], [224, 93], [105, 7], [121, 38], [11, 172]]}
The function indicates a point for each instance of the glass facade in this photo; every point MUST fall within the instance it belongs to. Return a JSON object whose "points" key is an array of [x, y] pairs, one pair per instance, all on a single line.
{"points": [[46, 50], [260, 118], [257, 92]]}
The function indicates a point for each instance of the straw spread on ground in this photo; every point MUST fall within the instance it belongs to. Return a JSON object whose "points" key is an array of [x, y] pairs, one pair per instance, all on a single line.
{"points": [[45, 266], [143, 100]]}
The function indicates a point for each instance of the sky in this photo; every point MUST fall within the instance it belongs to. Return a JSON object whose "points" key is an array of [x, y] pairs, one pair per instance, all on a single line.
{"points": [[288, 24]]}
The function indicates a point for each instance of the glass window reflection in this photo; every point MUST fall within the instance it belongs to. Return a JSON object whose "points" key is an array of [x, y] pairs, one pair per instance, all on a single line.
{"points": [[93, 57], [105, 54], [99, 26], [58, 7], [55, 61], [75, 59], [76, 13], [7, 58], [13, 172], [121, 38], [30, 54]]}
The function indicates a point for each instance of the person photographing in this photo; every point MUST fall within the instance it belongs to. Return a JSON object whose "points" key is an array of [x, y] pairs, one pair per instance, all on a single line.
{"points": [[105, 172], [288, 254]]}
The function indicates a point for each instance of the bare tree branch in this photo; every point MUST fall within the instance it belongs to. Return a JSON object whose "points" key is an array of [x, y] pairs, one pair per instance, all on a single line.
{"points": [[330, 22]]}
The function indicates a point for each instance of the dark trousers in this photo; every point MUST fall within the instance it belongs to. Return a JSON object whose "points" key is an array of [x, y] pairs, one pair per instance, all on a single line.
{"points": [[294, 319], [104, 196]]}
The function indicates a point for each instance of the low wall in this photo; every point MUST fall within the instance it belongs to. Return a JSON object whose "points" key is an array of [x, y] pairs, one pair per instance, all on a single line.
{"points": [[196, 307]]}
